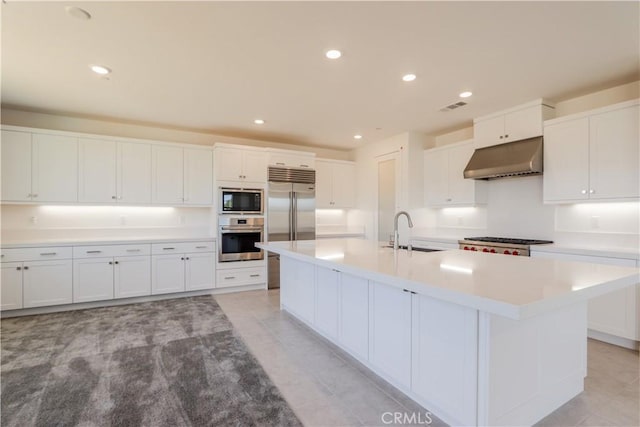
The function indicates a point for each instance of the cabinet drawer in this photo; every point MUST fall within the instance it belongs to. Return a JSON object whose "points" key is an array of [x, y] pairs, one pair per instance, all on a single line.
{"points": [[182, 247], [36, 254], [110, 251], [293, 161], [240, 276]]}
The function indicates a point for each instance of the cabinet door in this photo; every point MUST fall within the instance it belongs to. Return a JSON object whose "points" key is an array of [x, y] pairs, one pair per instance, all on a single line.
{"points": [[614, 154], [489, 132], [301, 289], [167, 274], [200, 271], [461, 191], [168, 175], [16, 166], [54, 168], [132, 276], [134, 173], [47, 283], [97, 171], [523, 124], [198, 177], [255, 166], [353, 329], [444, 359], [327, 285], [229, 163], [344, 185], [324, 184], [390, 332], [92, 279], [11, 286], [566, 161], [436, 164]]}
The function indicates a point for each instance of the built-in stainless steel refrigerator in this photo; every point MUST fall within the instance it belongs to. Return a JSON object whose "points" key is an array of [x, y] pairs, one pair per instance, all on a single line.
{"points": [[291, 211]]}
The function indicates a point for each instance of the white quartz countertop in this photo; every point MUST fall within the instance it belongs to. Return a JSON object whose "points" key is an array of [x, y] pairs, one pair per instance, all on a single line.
{"points": [[39, 243], [513, 287], [611, 252]]}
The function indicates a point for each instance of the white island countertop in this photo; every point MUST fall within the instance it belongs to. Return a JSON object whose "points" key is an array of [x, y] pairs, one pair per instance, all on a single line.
{"points": [[509, 286]]}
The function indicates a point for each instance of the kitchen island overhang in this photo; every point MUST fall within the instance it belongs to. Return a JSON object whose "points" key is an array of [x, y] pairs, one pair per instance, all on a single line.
{"points": [[477, 339]]}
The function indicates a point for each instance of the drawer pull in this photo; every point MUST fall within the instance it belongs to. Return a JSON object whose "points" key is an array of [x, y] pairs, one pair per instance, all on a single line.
{"points": [[133, 250], [168, 249], [254, 275], [229, 277], [18, 268], [110, 262], [304, 166], [26, 267], [94, 252], [201, 247], [280, 163], [48, 253]]}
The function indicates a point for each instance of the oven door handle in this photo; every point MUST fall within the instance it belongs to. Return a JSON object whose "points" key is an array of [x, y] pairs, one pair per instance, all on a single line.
{"points": [[226, 230]]}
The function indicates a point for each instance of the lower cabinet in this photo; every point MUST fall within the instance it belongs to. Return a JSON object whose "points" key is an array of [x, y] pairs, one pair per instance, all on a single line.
{"points": [[182, 272], [92, 279], [353, 317], [390, 331], [327, 297], [299, 294], [11, 286], [47, 283], [132, 276], [227, 278]]}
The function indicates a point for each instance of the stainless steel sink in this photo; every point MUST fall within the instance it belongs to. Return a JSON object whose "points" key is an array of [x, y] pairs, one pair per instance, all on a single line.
{"points": [[413, 248]]}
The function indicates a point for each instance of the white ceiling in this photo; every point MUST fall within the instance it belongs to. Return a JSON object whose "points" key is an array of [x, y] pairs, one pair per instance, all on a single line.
{"points": [[216, 66]]}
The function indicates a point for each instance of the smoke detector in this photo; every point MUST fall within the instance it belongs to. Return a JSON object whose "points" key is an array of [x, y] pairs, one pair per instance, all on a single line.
{"points": [[453, 106]]}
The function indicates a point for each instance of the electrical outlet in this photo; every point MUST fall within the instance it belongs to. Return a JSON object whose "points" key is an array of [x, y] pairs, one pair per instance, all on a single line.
{"points": [[33, 220]]}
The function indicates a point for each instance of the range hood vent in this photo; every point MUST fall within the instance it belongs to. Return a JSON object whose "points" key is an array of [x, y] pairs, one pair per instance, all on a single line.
{"points": [[513, 159]]}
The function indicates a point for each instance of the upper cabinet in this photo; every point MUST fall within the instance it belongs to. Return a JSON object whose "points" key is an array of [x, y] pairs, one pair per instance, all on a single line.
{"points": [[182, 176], [335, 184], [593, 155], [39, 167], [291, 159], [240, 164], [114, 172], [524, 121], [444, 183]]}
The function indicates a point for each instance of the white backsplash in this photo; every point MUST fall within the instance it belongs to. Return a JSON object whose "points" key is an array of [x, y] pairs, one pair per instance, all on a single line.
{"points": [[31, 222]]}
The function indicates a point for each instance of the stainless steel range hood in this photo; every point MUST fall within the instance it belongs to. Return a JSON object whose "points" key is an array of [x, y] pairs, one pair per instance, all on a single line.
{"points": [[518, 158]]}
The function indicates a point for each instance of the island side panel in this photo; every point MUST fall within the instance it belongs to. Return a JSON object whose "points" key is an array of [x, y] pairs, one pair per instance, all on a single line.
{"points": [[529, 368]]}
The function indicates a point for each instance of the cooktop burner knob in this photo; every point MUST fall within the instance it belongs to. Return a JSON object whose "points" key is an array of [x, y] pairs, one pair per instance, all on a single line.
{"points": [[507, 252], [515, 253], [473, 249], [485, 250], [493, 251], [466, 248]]}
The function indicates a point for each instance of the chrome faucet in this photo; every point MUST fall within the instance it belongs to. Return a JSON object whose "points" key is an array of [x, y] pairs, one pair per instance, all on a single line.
{"points": [[396, 234]]}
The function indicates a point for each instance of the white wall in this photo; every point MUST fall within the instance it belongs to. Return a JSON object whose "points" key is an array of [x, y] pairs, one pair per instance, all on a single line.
{"points": [[32, 222]]}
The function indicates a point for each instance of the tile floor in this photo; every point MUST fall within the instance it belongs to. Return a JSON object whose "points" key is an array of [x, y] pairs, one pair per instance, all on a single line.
{"points": [[327, 387]]}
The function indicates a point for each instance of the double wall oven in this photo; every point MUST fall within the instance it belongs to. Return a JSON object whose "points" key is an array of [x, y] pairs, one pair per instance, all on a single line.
{"points": [[240, 224]]}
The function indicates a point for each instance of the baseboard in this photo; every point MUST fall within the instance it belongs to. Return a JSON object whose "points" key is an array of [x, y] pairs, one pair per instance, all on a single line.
{"points": [[613, 339]]}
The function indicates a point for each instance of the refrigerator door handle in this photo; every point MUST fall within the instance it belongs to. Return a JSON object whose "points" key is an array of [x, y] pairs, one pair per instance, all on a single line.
{"points": [[291, 208], [294, 208]]}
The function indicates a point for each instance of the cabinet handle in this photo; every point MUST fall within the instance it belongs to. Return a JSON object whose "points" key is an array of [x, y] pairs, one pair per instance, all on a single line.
{"points": [[592, 191], [584, 191], [187, 258], [448, 200], [254, 275], [29, 195], [119, 197], [26, 267], [182, 258], [35, 195], [337, 271], [229, 277], [168, 249], [48, 253], [110, 262], [240, 176], [279, 163], [18, 268], [117, 262], [133, 250], [94, 252], [201, 247], [113, 197], [506, 136], [304, 166], [501, 136]]}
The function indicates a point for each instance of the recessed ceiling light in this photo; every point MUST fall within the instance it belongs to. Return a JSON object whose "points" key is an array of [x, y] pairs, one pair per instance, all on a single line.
{"points": [[258, 121], [100, 69], [78, 13], [465, 94], [409, 77], [357, 136], [333, 54]]}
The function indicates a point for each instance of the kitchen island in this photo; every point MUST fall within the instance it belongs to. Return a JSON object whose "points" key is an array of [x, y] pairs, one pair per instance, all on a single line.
{"points": [[477, 339]]}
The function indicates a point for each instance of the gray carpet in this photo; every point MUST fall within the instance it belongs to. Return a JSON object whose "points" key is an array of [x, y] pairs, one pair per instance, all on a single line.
{"points": [[167, 363]]}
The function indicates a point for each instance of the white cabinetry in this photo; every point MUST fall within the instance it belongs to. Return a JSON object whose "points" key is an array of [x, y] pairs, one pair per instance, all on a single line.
{"points": [[132, 276], [616, 313], [231, 277], [11, 286], [92, 279], [39, 167], [291, 159], [335, 184], [524, 121], [327, 297], [353, 327], [16, 166], [593, 155], [182, 176], [390, 332], [240, 164], [114, 172], [444, 182], [47, 283], [178, 267], [299, 293]]}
